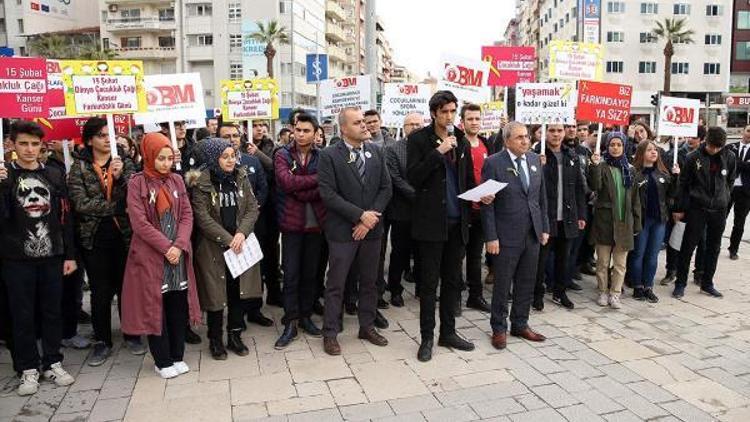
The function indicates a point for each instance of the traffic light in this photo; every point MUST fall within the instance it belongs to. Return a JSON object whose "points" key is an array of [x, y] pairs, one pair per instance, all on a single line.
{"points": [[655, 99]]}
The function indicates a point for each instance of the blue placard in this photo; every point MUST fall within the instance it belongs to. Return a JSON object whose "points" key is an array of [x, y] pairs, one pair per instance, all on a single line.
{"points": [[6, 52], [317, 67]]}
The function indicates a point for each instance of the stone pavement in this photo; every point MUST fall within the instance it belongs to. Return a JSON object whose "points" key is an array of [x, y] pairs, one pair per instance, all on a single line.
{"points": [[678, 360]]}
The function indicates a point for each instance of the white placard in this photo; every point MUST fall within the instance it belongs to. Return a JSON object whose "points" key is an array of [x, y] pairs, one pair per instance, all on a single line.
{"points": [[489, 187], [466, 78], [678, 117], [675, 239], [399, 100], [551, 103], [173, 98], [250, 256], [248, 105], [349, 91], [105, 94]]}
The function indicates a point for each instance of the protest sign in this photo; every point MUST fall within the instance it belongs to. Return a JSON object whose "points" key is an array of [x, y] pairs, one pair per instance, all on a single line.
{"points": [[678, 116], [59, 129], [172, 98], [466, 78], [253, 57], [492, 116], [402, 99], [23, 87], [570, 60], [249, 99], [546, 103], [349, 91], [604, 102], [510, 65], [103, 87], [55, 90]]}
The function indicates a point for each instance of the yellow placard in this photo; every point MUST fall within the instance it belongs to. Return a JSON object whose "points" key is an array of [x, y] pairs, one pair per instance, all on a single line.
{"points": [[249, 99], [570, 60], [93, 87], [492, 115]]}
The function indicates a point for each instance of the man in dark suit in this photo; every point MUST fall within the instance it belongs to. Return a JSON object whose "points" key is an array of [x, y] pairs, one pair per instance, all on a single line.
{"points": [[515, 225], [740, 192], [355, 188], [439, 168]]}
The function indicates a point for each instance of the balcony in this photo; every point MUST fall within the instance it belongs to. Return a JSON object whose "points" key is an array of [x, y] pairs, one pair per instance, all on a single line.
{"points": [[139, 24], [141, 53], [335, 32], [336, 53], [335, 11]]}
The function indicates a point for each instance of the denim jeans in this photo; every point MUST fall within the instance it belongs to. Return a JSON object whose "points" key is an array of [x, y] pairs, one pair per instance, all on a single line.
{"points": [[645, 255]]}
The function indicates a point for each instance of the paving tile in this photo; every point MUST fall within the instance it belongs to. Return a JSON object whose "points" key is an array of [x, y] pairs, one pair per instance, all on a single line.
{"points": [[213, 388], [620, 373], [196, 408], [581, 368], [741, 414], [569, 382], [361, 412], [597, 401], [623, 416], [707, 395], [450, 414], [248, 412], [609, 387], [274, 387], [542, 415], [312, 388], [496, 407], [544, 365], [377, 380], [483, 378], [346, 391], [405, 417], [326, 415], [554, 395], [109, 410], [300, 404], [93, 381], [486, 392], [69, 417], [580, 413], [531, 402], [651, 392], [78, 401], [328, 368], [622, 350], [687, 412], [122, 387], [641, 407], [529, 376], [414, 404]]}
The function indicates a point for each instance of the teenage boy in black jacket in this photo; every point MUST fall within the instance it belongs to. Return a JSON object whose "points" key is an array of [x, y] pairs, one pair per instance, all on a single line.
{"points": [[706, 185]]}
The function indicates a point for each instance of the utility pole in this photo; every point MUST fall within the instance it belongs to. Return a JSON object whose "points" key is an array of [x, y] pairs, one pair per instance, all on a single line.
{"points": [[371, 48], [291, 43]]}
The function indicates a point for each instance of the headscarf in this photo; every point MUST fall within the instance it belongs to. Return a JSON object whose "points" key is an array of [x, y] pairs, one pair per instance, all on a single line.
{"points": [[211, 149], [151, 145], [620, 162]]}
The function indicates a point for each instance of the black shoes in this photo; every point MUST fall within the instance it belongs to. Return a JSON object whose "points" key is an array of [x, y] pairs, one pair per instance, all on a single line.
{"points": [[309, 327], [454, 341], [639, 294], [478, 303], [382, 304], [733, 256], [711, 291], [216, 347], [650, 296], [380, 321], [562, 300], [397, 301], [235, 344], [191, 337], [289, 334], [260, 319], [424, 354], [678, 292]]}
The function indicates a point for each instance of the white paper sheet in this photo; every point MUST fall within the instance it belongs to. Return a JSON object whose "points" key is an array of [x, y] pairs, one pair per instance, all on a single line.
{"points": [[250, 256], [489, 187], [675, 239]]}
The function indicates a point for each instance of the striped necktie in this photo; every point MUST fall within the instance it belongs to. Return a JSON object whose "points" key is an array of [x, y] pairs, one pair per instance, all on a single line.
{"points": [[359, 162]]}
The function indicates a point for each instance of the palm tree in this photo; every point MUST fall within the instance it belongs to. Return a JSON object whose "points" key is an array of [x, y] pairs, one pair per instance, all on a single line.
{"points": [[50, 46], [94, 51], [270, 34], [672, 30]]}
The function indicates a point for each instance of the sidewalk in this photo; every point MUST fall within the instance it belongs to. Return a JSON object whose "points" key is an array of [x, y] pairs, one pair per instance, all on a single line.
{"points": [[685, 360]]}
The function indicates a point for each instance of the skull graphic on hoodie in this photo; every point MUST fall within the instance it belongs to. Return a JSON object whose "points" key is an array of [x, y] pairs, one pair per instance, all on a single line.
{"points": [[34, 197]]}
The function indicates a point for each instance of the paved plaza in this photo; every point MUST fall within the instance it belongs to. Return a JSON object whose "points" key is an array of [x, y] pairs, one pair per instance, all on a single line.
{"points": [[678, 360]]}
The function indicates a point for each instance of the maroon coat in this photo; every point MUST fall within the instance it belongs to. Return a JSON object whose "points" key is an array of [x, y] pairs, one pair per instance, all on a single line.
{"points": [[297, 186], [144, 273]]}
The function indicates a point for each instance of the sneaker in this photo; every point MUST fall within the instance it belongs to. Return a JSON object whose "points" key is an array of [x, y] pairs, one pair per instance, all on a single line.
{"points": [[614, 301], [181, 367], [76, 342], [668, 279], [639, 293], [603, 299], [100, 354], [58, 375], [29, 382], [563, 300], [650, 296], [678, 292], [711, 291], [167, 373], [136, 346]]}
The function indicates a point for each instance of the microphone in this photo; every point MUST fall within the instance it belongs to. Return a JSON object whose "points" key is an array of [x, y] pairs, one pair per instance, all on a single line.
{"points": [[451, 132]]}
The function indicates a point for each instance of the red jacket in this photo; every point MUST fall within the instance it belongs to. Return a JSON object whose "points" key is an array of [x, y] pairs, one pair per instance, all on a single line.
{"points": [[144, 272], [296, 186]]}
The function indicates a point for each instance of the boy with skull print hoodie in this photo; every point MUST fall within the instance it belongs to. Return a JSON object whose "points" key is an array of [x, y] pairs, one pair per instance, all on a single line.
{"points": [[37, 237]]}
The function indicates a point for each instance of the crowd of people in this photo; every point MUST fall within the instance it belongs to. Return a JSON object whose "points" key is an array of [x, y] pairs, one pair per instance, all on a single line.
{"points": [[150, 224]]}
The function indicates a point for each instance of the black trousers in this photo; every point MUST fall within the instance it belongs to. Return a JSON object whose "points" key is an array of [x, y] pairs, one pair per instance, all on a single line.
{"points": [[474, 249], [700, 221], [235, 310], [560, 246], [268, 238], [343, 257], [72, 298], [300, 264], [169, 347], [440, 264], [320, 277], [401, 250], [6, 324], [673, 255], [105, 266], [741, 203], [586, 250], [35, 291]]}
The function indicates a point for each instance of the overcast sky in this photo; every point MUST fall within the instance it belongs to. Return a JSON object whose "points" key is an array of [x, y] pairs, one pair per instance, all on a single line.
{"points": [[420, 30]]}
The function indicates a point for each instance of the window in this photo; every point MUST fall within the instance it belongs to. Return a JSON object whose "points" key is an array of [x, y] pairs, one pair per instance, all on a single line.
{"points": [[282, 7], [713, 39], [616, 7], [235, 41], [681, 9], [743, 19], [649, 8], [20, 26], [2, 24], [166, 15], [555, 30], [615, 67], [646, 67], [200, 9], [648, 37], [235, 70], [202, 40], [105, 43], [742, 50], [713, 10], [130, 15], [130, 42], [680, 68], [680, 40], [235, 11], [166, 42], [615, 36], [711, 68]]}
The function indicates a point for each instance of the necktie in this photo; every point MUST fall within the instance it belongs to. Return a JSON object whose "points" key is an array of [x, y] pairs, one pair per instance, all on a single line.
{"points": [[743, 152], [522, 174], [359, 162]]}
